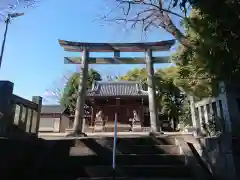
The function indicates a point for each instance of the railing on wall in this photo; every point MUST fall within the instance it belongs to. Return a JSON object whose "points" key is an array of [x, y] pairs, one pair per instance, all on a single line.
{"points": [[203, 110], [18, 114], [207, 107]]}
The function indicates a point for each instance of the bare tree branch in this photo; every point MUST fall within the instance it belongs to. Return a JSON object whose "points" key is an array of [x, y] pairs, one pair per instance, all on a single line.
{"points": [[10, 6], [152, 5], [54, 93], [148, 14]]}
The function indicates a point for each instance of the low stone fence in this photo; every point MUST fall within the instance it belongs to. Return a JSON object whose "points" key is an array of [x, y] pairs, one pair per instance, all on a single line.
{"points": [[19, 117]]}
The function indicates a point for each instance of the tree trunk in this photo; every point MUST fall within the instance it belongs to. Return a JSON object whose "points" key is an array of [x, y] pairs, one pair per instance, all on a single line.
{"points": [[170, 27]]}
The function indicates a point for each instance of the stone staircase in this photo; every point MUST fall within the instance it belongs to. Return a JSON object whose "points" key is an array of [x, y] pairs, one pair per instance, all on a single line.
{"points": [[137, 158]]}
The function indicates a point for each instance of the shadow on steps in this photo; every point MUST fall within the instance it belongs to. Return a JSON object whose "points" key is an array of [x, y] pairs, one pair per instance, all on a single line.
{"points": [[60, 164], [19, 156], [52, 159]]}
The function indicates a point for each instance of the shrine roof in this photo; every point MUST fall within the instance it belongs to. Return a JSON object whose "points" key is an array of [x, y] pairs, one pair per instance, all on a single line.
{"points": [[49, 109], [117, 88]]}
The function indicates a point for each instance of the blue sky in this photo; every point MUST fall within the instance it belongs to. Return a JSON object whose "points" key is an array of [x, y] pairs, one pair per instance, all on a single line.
{"points": [[33, 59]]}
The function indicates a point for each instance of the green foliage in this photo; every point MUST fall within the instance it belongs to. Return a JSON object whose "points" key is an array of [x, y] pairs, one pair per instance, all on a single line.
{"points": [[136, 75], [185, 115], [174, 100], [69, 97], [213, 54], [93, 75], [214, 127], [170, 98]]}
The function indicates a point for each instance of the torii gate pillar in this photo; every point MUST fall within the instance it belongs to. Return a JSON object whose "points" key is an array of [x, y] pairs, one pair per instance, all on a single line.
{"points": [[78, 126], [151, 92]]}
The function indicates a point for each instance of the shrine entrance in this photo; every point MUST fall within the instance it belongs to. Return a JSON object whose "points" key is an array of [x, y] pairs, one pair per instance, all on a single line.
{"points": [[124, 104], [126, 97]]}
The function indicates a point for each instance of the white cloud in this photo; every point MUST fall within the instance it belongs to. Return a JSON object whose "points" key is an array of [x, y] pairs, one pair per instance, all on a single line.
{"points": [[48, 93]]}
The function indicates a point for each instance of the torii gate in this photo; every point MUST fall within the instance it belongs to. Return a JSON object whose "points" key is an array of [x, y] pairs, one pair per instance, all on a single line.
{"points": [[116, 48]]}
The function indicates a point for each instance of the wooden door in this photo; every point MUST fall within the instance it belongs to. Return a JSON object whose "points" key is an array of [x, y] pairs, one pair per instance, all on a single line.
{"points": [[109, 113], [122, 115]]}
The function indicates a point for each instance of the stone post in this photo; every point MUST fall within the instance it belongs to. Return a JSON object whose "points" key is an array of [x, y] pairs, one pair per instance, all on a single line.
{"points": [[211, 109], [195, 121], [151, 92], [29, 120], [200, 118], [226, 137], [25, 110], [79, 112], [224, 102], [6, 90], [205, 113], [38, 101], [218, 109]]}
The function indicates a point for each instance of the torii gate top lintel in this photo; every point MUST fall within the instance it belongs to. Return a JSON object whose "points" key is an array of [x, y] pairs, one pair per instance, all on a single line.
{"points": [[121, 47]]}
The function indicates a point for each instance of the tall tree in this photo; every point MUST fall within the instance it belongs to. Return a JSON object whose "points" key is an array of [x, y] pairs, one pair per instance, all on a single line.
{"points": [[215, 55], [172, 98]]}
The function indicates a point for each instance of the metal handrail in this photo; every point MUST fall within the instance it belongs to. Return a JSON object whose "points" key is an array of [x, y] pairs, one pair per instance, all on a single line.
{"points": [[114, 147]]}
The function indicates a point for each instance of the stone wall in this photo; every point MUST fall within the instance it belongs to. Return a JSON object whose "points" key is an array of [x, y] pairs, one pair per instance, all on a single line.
{"points": [[217, 155], [233, 96]]}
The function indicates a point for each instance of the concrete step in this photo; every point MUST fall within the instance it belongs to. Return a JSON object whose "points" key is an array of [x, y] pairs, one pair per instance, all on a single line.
{"points": [[136, 149], [128, 141], [121, 171], [126, 159], [166, 140], [150, 159], [153, 149]]}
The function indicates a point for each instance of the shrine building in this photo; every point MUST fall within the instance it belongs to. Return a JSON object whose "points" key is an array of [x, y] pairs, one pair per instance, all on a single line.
{"points": [[110, 97], [121, 97]]}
